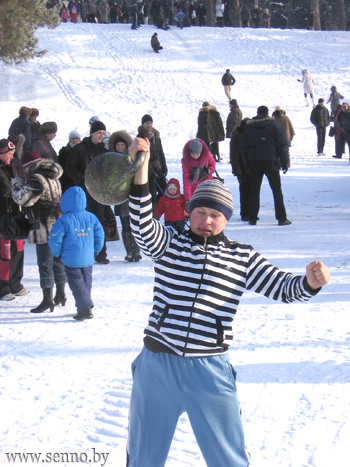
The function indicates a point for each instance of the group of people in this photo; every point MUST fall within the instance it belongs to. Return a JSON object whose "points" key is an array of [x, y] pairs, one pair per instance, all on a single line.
{"points": [[256, 17], [188, 335], [161, 13], [321, 118], [258, 147]]}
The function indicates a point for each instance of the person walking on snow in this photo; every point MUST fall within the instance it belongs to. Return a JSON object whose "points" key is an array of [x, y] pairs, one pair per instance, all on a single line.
{"points": [[308, 83], [228, 81], [321, 119], [75, 238], [334, 99], [184, 365]]}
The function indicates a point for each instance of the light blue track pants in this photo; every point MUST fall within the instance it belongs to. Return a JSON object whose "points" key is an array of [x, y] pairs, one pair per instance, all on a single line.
{"points": [[165, 386]]}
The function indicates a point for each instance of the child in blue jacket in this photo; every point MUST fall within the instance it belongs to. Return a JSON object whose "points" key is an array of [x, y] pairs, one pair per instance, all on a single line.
{"points": [[75, 238]]}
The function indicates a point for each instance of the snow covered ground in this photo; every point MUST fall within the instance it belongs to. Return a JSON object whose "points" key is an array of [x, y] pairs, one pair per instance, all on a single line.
{"points": [[65, 385]]}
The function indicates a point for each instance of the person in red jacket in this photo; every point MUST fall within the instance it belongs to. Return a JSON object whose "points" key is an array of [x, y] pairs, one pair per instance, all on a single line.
{"points": [[172, 205]]}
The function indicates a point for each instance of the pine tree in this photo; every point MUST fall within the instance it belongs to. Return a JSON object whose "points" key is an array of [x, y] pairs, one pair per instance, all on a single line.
{"points": [[19, 20]]}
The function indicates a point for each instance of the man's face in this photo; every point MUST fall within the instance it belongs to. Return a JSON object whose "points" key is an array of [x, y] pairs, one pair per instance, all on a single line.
{"points": [[344, 107], [148, 125], [50, 136], [98, 136], [75, 140], [7, 157], [207, 222]]}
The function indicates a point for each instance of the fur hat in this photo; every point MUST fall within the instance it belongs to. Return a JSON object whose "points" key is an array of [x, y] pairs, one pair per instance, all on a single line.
{"points": [[146, 118], [263, 110], [6, 146], [29, 157], [215, 195], [205, 104], [97, 126], [48, 128], [277, 108], [121, 136], [233, 102]]}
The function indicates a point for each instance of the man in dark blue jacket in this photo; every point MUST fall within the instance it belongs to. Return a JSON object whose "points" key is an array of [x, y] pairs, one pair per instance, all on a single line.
{"points": [[264, 149]]}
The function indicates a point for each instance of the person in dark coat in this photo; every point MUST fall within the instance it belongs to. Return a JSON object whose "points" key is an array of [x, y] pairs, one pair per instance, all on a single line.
{"points": [[321, 119], [34, 124], [41, 141], [216, 131], [264, 150], [80, 157], [155, 43], [157, 168], [311, 20], [339, 138], [155, 12], [245, 16], [201, 14], [234, 118], [119, 141], [228, 81], [21, 126], [227, 19], [256, 16], [239, 170], [63, 154], [16, 164], [11, 251], [344, 123], [202, 132]]}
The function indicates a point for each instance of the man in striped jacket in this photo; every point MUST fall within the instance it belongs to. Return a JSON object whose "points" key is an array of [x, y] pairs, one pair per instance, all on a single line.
{"points": [[184, 366]]}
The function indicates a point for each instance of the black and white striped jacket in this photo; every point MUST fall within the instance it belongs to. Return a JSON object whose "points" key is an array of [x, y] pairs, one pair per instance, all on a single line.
{"points": [[199, 282]]}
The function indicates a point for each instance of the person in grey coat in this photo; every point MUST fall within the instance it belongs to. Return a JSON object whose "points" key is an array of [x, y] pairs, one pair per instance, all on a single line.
{"points": [[334, 99], [234, 118], [83, 11]]}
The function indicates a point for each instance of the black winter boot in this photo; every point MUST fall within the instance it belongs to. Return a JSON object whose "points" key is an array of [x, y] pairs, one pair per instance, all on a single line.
{"points": [[84, 314], [60, 297], [127, 240], [47, 302], [135, 250]]}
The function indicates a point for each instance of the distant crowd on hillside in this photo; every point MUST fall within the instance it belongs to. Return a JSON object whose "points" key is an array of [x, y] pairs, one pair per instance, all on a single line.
{"points": [[161, 13], [164, 13]]}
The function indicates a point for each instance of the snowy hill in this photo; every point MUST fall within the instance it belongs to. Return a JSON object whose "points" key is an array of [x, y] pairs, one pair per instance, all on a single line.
{"points": [[65, 385]]}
